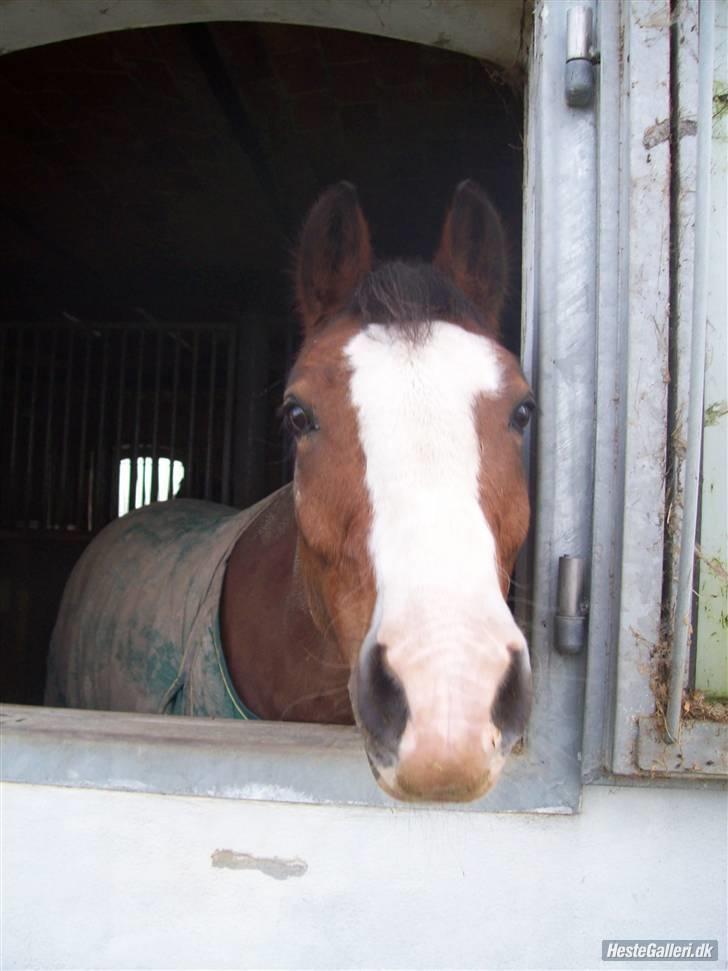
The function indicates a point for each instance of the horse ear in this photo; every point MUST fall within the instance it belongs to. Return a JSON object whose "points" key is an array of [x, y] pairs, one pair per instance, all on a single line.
{"points": [[334, 255], [472, 251]]}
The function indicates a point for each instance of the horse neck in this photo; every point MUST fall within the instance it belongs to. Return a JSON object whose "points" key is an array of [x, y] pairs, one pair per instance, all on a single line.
{"points": [[280, 663]]}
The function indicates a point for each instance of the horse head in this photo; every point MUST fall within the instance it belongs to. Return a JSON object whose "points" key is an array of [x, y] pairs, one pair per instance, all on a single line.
{"points": [[410, 497]]}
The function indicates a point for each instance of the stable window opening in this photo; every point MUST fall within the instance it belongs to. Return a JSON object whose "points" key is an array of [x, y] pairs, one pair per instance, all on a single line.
{"points": [[204, 146]]}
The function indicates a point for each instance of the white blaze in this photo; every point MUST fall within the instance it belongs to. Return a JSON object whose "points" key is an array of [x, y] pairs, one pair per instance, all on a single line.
{"points": [[440, 608]]}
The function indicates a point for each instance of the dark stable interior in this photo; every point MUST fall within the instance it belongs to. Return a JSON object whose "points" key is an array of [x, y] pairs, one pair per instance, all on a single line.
{"points": [[153, 185]]}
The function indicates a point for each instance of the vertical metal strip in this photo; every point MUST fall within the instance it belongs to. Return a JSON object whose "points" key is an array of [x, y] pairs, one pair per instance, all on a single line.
{"points": [[62, 510], [13, 459], [608, 448], [230, 359], [47, 479], [558, 326], [212, 390], [250, 413], [134, 472], [190, 470], [644, 321], [100, 480], [83, 465], [684, 57], [173, 415], [155, 417], [29, 491], [121, 393]]}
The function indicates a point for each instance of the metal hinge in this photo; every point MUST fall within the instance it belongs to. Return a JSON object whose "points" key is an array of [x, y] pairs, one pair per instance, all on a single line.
{"points": [[572, 608], [581, 57]]}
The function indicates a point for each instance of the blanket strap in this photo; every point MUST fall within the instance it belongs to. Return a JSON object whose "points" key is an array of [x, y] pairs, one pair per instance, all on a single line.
{"points": [[241, 710]]}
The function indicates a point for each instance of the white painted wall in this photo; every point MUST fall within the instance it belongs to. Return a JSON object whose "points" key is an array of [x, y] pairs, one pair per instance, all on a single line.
{"points": [[108, 879]]}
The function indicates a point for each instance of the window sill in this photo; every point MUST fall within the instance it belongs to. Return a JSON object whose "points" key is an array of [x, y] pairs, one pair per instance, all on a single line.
{"points": [[263, 761]]}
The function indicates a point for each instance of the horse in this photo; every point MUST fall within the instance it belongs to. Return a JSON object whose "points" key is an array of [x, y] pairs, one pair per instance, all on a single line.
{"points": [[373, 588]]}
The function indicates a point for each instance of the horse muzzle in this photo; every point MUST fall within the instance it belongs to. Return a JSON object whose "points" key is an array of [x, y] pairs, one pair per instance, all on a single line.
{"points": [[428, 739]]}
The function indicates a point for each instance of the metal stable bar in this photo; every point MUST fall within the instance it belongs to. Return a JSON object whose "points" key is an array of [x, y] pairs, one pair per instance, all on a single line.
{"points": [[137, 419], [101, 463], [694, 434], [114, 510], [210, 416], [71, 419], [16, 414], [173, 417], [155, 417], [28, 491], [189, 490], [606, 535], [80, 497], [230, 358], [47, 482], [63, 471]]}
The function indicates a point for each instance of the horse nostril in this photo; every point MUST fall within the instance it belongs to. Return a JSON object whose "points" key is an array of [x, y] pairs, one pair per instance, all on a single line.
{"points": [[381, 704], [513, 701]]}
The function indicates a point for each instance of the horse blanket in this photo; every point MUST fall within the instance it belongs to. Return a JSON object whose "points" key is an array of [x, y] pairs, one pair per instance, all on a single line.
{"points": [[138, 628]]}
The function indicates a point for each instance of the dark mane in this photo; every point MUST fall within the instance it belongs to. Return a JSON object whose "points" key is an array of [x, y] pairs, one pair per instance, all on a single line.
{"points": [[411, 296]]}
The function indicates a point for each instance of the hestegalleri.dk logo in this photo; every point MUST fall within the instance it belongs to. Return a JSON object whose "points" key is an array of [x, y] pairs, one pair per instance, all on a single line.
{"points": [[656, 950]]}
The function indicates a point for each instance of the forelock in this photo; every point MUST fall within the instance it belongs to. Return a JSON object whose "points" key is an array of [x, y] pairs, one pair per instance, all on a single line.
{"points": [[411, 296]]}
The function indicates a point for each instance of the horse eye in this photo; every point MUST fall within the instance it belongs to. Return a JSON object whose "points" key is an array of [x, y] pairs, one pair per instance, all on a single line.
{"points": [[522, 415], [299, 421]]}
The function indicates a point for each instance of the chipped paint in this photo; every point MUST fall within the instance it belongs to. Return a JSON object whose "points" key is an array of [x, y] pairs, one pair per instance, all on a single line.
{"points": [[660, 132], [271, 866], [657, 19]]}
